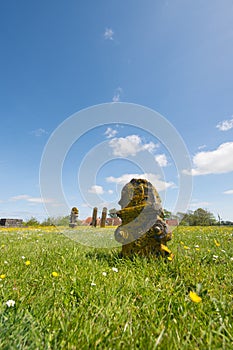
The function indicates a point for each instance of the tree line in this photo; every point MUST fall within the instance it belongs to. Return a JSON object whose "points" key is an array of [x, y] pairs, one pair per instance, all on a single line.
{"points": [[199, 217]]}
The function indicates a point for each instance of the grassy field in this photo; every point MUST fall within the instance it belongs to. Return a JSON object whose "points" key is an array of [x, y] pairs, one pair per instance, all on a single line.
{"points": [[59, 294]]}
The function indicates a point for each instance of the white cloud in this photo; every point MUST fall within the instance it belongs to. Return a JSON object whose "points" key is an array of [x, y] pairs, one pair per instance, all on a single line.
{"points": [[39, 132], [225, 125], [228, 192], [96, 189], [154, 179], [108, 34], [130, 145], [117, 95], [202, 146], [110, 133], [110, 192], [218, 161], [161, 159], [20, 197], [200, 204], [28, 198]]}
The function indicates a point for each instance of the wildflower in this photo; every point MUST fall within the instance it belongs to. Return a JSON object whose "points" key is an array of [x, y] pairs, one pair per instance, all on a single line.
{"points": [[93, 284], [23, 257], [10, 303], [186, 247], [197, 249], [181, 242], [196, 246], [231, 258], [215, 257], [216, 243], [54, 274], [27, 263], [170, 258], [104, 273], [165, 248], [114, 269], [194, 297], [2, 277], [5, 262], [3, 245]]}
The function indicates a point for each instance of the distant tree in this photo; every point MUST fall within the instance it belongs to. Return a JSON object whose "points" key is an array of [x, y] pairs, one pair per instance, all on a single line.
{"points": [[48, 222], [199, 217], [32, 222], [112, 213], [58, 221], [167, 214]]}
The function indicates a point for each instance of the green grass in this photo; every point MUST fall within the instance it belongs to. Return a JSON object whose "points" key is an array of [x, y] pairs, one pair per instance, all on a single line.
{"points": [[145, 305]]}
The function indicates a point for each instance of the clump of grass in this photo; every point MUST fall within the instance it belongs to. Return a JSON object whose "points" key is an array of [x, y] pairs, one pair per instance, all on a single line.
{"points": [[72, 296]]}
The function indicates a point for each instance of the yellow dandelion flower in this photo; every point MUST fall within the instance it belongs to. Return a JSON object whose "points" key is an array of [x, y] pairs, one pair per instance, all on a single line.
{"points": [[165, 248], [54, 274], [170, 258], [197, 248], [2, 277], [181, 242], [186, 247], [216, 243], [27, 263], [194, 297]]}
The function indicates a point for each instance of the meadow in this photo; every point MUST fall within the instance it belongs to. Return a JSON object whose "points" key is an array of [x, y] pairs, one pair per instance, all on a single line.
{"points": [[59, 293]]}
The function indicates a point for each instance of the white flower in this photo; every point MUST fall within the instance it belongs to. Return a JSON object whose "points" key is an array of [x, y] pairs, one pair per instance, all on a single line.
{"points": [[215, 256], [114, 269], [93, 284], [196, 246], [23, 257], [104, 273], [10, 303], [223, 251], [5, 262], [231, 258]]}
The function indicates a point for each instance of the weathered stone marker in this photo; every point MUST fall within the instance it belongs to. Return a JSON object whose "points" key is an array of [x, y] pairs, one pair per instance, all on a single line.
{"points": [[73, 217], [143, 230], [103, 217], [94, 217]]}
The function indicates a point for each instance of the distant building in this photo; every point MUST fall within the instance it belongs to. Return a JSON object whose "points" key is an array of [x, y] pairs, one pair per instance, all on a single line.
{"points": [[113, 221], [172, 222], [109, 221], [11, 222]]}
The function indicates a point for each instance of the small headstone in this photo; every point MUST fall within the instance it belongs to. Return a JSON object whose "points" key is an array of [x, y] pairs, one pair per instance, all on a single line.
{"points": [[143, 230], [73, 217], [103, 217], [94, 217]]}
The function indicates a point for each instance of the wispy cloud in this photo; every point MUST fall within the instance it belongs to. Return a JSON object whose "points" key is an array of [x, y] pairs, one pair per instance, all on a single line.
{"points": [[225, 125], [202, 147], [159, 184], [200, 204], [39, 132], [130, 145], [228, 192], [108, 34], [161, 159], [219, 161], [26, 197], [96, 189], [110, 133], [117, 95]]}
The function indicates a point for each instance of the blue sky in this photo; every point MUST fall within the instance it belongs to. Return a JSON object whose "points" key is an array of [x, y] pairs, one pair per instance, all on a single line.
{"points": [[60, 57]]}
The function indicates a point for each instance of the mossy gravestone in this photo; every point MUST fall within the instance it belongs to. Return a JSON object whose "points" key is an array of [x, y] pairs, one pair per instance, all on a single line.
{"points": [[73, 217], [143, 230]]}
